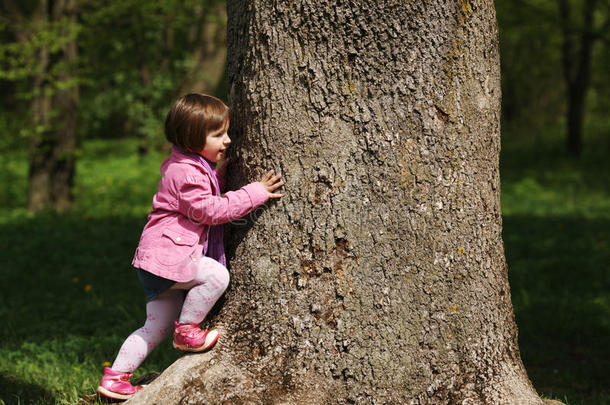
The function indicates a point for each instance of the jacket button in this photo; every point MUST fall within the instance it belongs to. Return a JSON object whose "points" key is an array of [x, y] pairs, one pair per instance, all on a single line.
{"points": [[178, 238], [194, 259]]}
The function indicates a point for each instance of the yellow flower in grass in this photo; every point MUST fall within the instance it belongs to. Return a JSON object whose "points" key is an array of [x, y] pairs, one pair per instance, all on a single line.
{"points": [[106, 364], [88, 288], [75, 279]]}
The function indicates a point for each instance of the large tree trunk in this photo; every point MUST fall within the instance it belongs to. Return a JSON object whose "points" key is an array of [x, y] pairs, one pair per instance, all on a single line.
{"points": [[380, 277], [54, 114]]}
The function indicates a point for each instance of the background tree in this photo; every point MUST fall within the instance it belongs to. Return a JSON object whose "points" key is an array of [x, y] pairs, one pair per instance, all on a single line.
{"points": [[579, 35], [380, 276], [545, 43], [114, 67], [42, 56]]}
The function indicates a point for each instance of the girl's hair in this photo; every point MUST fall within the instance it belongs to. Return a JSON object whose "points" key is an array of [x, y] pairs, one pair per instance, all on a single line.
{"points": [[192, 118]]}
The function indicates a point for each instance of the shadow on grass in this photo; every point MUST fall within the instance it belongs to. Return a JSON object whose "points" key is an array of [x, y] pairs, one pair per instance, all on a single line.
{"points": [[72, 297], [15, 392], [543, 157], [558, 270], [68, 275]]}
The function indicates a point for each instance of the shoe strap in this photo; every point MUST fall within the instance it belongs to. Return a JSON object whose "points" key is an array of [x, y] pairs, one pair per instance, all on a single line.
{"points": [[196, 332], [125, 376]]}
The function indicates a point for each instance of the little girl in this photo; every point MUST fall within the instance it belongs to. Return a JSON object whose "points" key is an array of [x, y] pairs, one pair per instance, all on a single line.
{"points": [[180, 259]]}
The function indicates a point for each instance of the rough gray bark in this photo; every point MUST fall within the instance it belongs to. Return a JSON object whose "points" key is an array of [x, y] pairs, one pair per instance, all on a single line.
{"points": [[380, 276]]}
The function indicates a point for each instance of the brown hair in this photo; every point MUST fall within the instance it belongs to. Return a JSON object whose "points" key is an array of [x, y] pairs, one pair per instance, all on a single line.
{"points": [[192, 118]]}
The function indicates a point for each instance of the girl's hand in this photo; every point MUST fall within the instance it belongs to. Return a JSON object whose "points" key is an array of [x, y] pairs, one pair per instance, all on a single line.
{"points": [[272, 183]]}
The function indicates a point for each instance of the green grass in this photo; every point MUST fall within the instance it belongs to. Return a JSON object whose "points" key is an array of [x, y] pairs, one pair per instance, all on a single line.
{"points": [[57, 332], [69, 295], [556, 213]]}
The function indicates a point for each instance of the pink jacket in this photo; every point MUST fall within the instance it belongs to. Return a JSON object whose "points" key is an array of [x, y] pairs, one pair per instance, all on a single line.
{"points": [[182, 211]]}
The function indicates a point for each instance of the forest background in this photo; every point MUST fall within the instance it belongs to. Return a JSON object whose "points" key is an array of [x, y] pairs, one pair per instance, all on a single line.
{"points": [[87, 84]]}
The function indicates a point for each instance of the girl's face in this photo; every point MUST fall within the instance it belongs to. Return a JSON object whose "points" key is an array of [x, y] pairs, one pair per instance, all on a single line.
{"points": [[216, 144]]}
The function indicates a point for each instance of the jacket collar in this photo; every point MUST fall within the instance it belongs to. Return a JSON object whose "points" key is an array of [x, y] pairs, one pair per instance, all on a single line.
{"points": [[179, 156]]}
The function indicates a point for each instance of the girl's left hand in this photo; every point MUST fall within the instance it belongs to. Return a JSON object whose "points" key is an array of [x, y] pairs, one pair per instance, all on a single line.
{"points": [[221, 170], [272, 183]]}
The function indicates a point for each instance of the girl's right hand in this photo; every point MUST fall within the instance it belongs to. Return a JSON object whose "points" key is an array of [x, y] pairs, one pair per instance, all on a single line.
{"points": [[272, 183]]}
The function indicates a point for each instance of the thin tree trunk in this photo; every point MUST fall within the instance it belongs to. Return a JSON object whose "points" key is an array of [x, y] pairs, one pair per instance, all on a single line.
{"points": [[577, 71], [54, 113], [575, 119], [66, 102], [41, 142], [380, 277]]}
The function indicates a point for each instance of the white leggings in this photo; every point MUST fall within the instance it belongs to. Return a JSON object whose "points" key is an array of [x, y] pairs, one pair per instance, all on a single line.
{"points": [[210, 282]]}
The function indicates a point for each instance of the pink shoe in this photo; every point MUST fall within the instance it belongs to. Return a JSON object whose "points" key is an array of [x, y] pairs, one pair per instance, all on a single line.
{"points": [[190, 338], [116, 385]]}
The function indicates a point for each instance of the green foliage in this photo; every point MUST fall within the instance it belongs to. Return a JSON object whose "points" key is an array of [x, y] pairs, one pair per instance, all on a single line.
{"points": [[136, 54], [32, 66], [20, 58], [530, 45], [133, 56], [533, 84]]}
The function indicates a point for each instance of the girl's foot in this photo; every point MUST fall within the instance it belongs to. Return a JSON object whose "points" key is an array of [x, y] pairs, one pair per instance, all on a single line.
{"points": [[190, 338], [116, 385]]}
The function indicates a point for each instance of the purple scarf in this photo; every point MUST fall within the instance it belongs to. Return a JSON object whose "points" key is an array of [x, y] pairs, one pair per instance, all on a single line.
{"points": [[215, 239]]}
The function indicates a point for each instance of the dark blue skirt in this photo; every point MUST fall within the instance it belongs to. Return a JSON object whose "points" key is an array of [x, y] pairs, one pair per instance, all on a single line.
{"points": [[153, 284]]}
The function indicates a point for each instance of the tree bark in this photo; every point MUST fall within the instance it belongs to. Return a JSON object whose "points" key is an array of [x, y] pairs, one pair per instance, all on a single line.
{"points": [[52, 162], [380, 277]]}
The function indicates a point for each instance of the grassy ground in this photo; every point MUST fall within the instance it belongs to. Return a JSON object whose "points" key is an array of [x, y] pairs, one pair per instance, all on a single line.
{"points": [[556, 214], [69, 297], [66, 305]]}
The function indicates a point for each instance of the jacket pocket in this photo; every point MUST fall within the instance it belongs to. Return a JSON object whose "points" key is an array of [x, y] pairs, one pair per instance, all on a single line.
{"points": [[175, 246]]}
